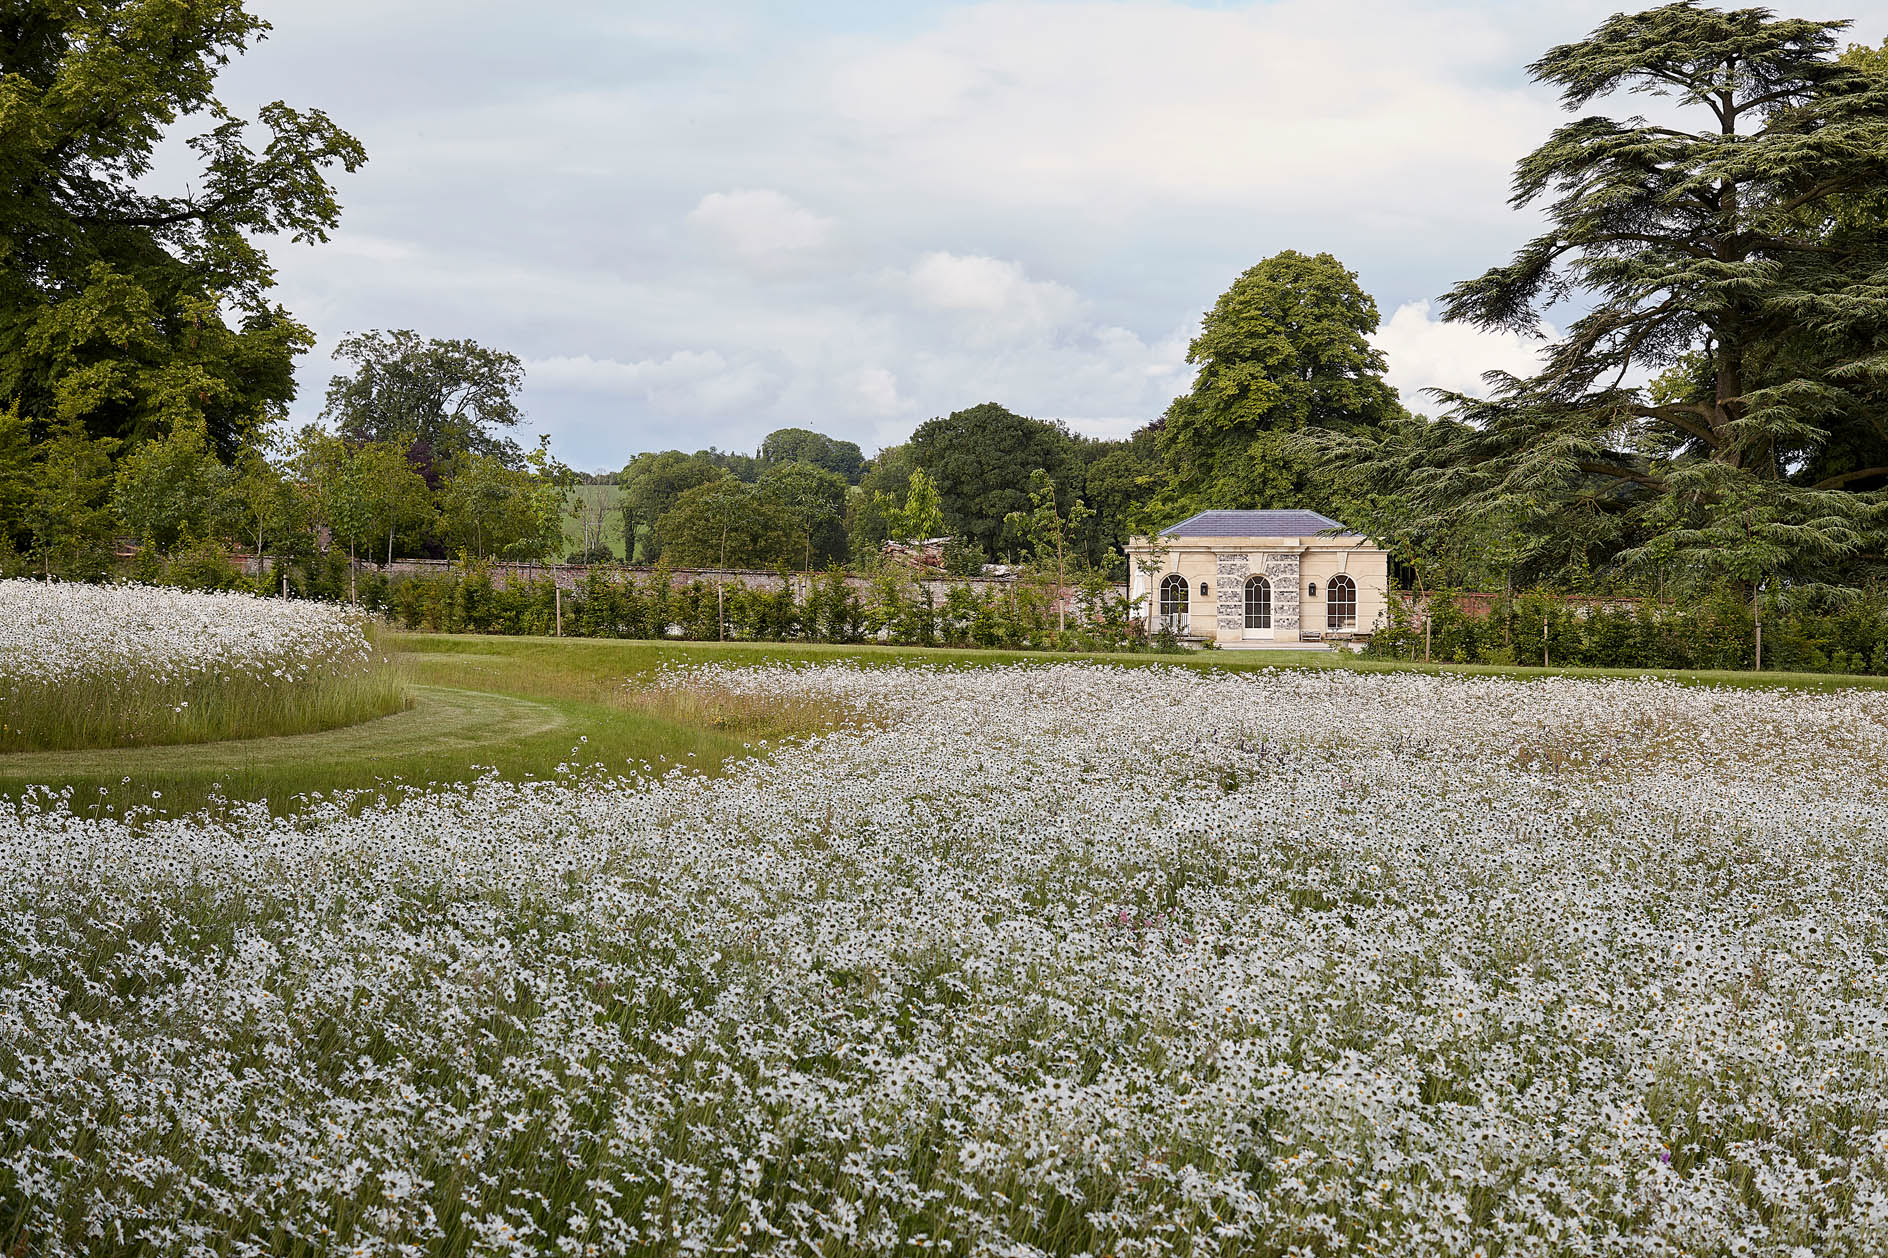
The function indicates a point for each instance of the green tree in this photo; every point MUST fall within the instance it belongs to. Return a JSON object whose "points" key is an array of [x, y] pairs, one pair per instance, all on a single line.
{"points": [[745, 467], [173, 489], [1050, 533], [889, 472], [317, 463], [920, 517], [814, 499], [1285, 349], [1736, 256], [361, 493], [387, 495], [885, 481], [71, 522], [122, 305], [803, 445], [1120, 479], [726, 523], [483, 505], [651, 484], [263, 502], [436, 400], [551, 483], [981, 460], [18, 473], [490, 508]]}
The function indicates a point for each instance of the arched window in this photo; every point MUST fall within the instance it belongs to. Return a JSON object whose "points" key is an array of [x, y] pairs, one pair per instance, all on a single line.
{"points": [[1258, 603], [1173, 602], [1340, 603]]}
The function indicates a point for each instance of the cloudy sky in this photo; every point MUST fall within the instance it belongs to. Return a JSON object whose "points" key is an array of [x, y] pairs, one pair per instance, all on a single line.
{"points": [[699, 222]]}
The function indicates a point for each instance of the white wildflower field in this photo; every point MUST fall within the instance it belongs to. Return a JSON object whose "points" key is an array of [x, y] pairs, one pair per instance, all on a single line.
{"points": [[1060, 959], [103, 665]]}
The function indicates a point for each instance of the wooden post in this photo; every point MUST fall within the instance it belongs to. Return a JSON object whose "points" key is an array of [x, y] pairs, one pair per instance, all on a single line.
{"points": [[557, 595], [1544, 623], [1427, 622]]}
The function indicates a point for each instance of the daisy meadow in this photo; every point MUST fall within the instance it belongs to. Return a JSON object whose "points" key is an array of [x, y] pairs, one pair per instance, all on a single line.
{"points": [[1058, 959]]}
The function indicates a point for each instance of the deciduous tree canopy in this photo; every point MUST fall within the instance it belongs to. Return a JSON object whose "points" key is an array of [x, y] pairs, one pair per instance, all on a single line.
{"points": [[1283, 350], [131, 309], [814, 499], [650, 486], [803, 445], [982, 459], [726, 523], [437, 399]]}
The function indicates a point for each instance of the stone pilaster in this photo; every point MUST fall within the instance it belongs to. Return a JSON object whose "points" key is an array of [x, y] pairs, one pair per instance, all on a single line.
{"points": [[1284, 571], [1230, 597]]}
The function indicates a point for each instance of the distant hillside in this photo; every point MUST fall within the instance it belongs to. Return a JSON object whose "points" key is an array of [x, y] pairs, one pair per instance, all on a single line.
{"points": [[595, 498]]}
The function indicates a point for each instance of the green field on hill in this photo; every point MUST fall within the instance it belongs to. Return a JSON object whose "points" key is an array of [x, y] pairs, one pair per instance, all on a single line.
{"points": [[594, 498]]}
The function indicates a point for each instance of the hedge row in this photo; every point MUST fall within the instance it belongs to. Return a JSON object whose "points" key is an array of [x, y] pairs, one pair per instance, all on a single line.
{"points": [[614, 603], [1713, 632]]}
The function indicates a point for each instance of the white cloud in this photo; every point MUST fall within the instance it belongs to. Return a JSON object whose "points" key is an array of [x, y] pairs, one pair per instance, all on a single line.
{"points": [[692, 382], [699, 230], [760, 226], [877, 391], [1118, 106], [998, 294], [1426, 353]]}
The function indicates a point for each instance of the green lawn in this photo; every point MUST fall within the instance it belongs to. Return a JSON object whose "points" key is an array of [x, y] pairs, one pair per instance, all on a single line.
{"points": [[523, 706]]}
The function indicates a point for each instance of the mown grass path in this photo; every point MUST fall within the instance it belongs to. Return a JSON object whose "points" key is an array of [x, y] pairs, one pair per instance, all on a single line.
{"points": [[440, 719]]}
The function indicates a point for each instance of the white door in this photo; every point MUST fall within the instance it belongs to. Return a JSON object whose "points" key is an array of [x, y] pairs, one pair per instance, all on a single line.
{"points": [[1258, 609]]}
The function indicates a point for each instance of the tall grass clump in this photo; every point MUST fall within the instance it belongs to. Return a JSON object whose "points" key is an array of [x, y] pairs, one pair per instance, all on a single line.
{"points": [[130, 665], [703, 698]]}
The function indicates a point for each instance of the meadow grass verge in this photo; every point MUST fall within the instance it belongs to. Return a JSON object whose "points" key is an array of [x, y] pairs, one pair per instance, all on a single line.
{"points": [[124, 707], [471, 716], [643, 657], [86, 666], [522, 708]]}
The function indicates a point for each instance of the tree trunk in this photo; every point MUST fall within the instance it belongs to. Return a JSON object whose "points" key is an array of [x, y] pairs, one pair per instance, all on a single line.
{"points": [[1507, 612], [1061, 613], [1756, 619]]}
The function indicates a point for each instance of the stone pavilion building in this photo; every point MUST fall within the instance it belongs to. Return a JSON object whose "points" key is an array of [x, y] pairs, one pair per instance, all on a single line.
{"points": [[1260, 579]]}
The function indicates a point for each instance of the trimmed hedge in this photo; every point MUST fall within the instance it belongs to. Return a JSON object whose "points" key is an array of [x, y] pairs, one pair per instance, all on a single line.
{"points": [[1711, 632]]}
